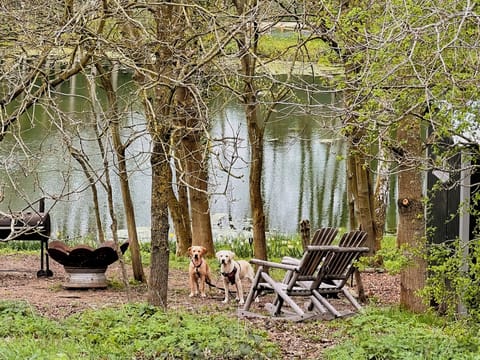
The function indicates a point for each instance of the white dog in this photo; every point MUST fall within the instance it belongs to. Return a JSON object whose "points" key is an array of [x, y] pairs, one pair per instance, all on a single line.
{"points": [[234, 272]]}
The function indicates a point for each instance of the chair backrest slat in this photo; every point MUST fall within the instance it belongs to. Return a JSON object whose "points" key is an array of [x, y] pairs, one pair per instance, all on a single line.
{"points": [[312, 259], [340, 266]]}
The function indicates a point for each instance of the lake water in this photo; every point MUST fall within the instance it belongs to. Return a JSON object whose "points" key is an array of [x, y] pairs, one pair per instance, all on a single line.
{"points": [[304, 174]]}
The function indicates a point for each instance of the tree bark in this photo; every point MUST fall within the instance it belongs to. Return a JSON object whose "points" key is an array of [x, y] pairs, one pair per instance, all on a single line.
{"points": [[255, 136], [352, 191], [81, 159], [382, 185], [197, 175], [178, 204], [359, 177], [361, 196], [179, 211], [305, 233], [247, 45], [195, 164], [119, 148], [161, 182], [365, 203], [411, 223]]}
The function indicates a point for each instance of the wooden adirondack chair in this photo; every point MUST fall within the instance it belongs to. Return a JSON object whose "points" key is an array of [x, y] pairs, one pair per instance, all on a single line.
{"points": [[340, 268], [323, 269]]}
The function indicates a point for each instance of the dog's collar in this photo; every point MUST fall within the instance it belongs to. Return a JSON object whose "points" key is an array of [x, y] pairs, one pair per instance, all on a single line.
{"points": [[197, 266], [231, 275], [193, 262]]}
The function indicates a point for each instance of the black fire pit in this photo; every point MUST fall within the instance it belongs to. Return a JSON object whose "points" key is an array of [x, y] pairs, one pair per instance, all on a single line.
{"points": [[85, 265]]}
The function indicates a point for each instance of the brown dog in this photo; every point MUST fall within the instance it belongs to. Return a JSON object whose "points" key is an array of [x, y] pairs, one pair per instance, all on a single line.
{"points": [[198, 270]]}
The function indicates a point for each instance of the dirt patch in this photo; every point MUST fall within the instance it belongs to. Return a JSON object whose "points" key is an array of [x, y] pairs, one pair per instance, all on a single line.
{"points": [[18, 281]]}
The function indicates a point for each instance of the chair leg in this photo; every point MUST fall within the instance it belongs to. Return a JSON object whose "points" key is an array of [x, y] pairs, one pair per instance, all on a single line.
{"points": [[352, 300], [316, 304], [348, 295], [325, 303], [253, 293], [278, 289]]}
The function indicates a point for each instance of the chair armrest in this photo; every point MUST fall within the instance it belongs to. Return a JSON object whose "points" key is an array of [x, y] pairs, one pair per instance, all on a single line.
{"points": [[290, 260], [274, 264]]}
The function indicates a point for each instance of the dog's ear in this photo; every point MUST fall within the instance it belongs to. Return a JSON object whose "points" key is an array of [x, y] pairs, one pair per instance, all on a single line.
{"points": [[204, 250], [190, 250], [231, 254]]}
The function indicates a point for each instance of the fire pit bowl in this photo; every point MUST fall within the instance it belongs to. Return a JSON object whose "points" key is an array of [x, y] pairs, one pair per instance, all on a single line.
{"points": [[84, 265]]}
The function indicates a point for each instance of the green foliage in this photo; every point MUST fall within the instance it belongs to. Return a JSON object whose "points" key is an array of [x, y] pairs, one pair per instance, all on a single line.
{"points": [[19, 247], [285, 46], [393, 334], [292, 46], [392, 258], [178, 262], [278, 245], [453, 278], [129, 332], [241, 246], [145, 250]]}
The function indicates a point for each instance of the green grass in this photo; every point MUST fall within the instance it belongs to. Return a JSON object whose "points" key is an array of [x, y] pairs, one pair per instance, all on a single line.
{"points": [[394, 334], [129, 332], [285, 46], [19, 247], [390, 257], [289, 46], [141, 331]]}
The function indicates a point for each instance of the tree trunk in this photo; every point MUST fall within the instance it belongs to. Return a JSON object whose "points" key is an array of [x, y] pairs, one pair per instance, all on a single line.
{"points": [[81, 159], [134, 244], [255, 136], [179, 211], [365, 203], [247, 45], [161, 181], [179, 206], [119, 148], [197, 175], [361, 199], [411, 222], [305, 233], [195, 160], [382, 185], [352, 192], [359, 183]]}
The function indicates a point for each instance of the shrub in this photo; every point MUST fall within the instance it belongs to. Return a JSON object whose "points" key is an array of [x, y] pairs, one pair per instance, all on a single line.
{"points": [[453, 278]]}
